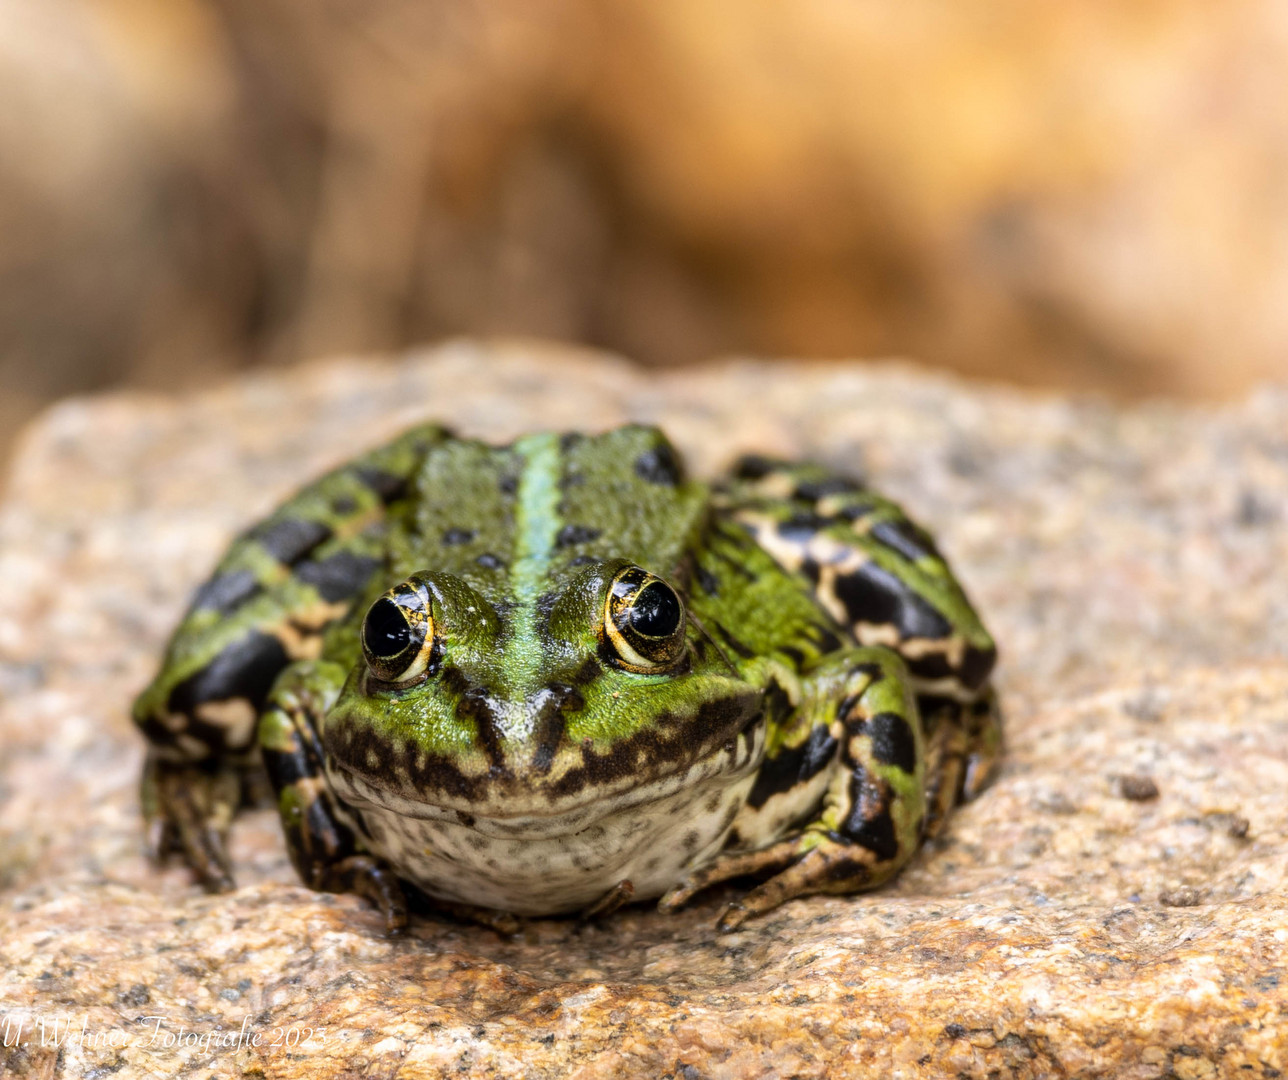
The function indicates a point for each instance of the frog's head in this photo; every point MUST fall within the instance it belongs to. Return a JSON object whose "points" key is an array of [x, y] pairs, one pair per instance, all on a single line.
{"points": [[602, 691]]}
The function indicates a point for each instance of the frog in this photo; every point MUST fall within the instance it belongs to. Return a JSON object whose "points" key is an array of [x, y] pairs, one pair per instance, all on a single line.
{"points": [[560, 675]]}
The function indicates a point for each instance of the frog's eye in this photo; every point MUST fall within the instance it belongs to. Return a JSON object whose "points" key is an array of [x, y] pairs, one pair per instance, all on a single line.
{"points": [[398, 636], [643, 621]]}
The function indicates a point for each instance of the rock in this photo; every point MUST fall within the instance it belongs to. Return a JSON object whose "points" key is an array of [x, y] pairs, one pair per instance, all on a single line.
{"points": [[1061, 926]]}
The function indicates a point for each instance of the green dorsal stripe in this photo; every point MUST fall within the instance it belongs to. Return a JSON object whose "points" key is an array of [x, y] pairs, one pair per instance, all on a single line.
{"points": [[536, 521]]}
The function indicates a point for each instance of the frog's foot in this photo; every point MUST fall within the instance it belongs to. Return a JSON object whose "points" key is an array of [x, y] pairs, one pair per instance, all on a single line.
{"points": [[371, 879], [502, 922], [945, 767], [744, 864], [621, 893], [983, 724], [805, 865], [961, 757], [188, 807]]}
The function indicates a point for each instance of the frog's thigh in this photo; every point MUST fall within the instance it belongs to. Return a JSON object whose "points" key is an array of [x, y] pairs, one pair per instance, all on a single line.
{"points": [[322, 846], [874, 801]]}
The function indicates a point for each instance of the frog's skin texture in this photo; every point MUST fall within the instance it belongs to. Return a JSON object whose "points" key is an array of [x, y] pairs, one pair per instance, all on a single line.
{"points": [[555, 676]]}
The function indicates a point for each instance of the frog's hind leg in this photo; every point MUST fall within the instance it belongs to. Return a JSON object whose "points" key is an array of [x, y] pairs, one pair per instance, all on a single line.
{"points": [[880, 575], [268, 603], [322, 843], [874, 806]]}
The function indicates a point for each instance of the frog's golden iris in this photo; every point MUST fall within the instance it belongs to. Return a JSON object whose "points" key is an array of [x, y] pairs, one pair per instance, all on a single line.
{"points": [[644, 621], [398, 637], [550, 676]]}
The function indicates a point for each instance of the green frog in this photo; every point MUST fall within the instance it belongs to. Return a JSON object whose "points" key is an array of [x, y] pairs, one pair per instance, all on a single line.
{"points": [[560, 675]]}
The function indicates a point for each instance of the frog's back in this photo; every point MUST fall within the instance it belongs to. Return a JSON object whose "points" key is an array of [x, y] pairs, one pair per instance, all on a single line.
{"points": [[517, 522]]}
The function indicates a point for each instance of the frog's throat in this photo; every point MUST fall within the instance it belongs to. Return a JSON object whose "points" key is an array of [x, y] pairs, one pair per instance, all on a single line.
{"points": [[580, 783]]}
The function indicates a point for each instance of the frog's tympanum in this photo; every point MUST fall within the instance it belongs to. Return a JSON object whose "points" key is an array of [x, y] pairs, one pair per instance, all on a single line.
{"points": [[558, 675]]}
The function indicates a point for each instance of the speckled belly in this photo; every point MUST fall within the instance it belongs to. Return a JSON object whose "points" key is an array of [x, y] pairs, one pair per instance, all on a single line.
{"points": [[550, 866]]}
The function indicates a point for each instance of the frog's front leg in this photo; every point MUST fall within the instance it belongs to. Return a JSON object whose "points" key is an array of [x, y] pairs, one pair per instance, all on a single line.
{"points": [[323, 846], [857, 727]]}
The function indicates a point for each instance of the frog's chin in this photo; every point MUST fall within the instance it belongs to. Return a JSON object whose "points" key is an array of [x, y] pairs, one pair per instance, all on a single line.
{"points": [[577, 787]]}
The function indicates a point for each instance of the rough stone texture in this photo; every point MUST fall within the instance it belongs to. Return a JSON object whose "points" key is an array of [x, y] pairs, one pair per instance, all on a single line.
{"points": [[1113, 906]]}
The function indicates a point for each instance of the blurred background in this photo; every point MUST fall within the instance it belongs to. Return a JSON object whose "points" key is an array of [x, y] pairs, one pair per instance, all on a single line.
{"points": [[1080, 194]]}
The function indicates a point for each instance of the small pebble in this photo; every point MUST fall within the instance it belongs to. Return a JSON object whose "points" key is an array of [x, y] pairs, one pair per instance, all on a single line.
{"points": [[1181, 896], [1137, 788]]}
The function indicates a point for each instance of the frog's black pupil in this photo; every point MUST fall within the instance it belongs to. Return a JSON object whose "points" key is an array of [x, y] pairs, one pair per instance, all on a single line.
{"points": [[656, 611], [385, 633]]}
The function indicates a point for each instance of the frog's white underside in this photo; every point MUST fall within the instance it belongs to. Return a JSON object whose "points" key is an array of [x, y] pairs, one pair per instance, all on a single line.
{"points": [[651, 836]]}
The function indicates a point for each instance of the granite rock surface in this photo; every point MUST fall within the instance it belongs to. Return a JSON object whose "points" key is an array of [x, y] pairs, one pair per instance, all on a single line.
{"points": [[1113, 906]]}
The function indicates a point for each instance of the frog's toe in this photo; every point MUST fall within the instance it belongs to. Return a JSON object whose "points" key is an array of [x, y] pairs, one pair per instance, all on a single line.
{"points": [[374, 881], [189, 809], [621, 893], [821, 869], [502, 922], [774, 857]]}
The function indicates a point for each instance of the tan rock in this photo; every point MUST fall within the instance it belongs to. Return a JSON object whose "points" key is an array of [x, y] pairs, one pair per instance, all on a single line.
{"points": [[1130, 562]]}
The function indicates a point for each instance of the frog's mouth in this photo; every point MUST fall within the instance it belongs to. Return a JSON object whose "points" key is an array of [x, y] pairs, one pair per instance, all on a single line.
{"points": [[719, 742]]}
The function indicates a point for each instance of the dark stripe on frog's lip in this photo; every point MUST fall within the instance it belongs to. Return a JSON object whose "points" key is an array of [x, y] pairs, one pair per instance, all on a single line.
{"points": [[722, 718], [435, 781]]}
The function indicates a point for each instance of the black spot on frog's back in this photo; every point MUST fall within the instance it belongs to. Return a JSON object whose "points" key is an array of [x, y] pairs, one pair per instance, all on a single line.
{"points": [[754, 467], [659, 465], [290, 539], [871, 594], [226, 592], [905, 538], [245, 669], [801, 527], [576, 534], [388, 486], [340, 576], [813, 490]]}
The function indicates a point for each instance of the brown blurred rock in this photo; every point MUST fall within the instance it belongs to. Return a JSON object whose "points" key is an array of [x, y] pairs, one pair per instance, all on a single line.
{"points": [[1074, 194], [1129, 561]]}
